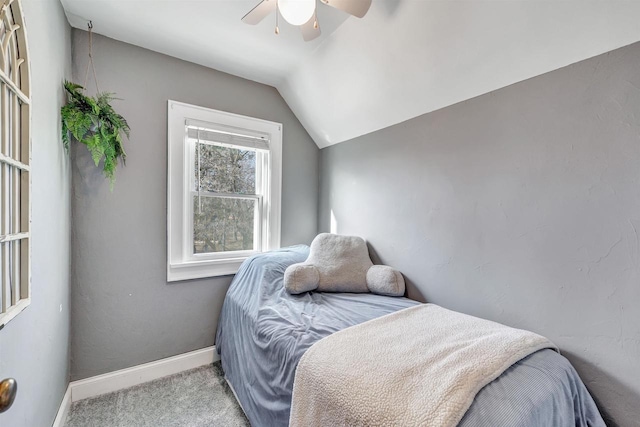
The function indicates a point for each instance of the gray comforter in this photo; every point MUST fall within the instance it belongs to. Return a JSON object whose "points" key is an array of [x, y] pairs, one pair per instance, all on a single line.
{"points": [[263, 331]]}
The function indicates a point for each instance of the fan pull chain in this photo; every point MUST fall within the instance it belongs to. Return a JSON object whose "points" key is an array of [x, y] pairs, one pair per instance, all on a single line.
{"points": [[90, 63], [277, 31]]}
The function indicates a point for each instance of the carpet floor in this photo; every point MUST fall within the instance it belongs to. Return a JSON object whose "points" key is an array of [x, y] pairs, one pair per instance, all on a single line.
{"points": [[195, 398]]}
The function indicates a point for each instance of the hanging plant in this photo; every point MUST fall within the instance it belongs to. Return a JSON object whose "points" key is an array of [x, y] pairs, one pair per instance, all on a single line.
{"points": [[93, 122]]}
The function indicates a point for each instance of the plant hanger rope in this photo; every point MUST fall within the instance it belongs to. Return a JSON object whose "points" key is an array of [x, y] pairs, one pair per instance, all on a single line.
{"points": [[92, 121], [90, 63]]}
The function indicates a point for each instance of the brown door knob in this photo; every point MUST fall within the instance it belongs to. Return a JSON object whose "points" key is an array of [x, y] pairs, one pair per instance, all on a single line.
{"points": [[8, 390]]}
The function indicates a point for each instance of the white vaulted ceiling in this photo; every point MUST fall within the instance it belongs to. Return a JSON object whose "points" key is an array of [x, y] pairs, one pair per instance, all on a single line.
{"points": [[403, 59], [207, 32]]}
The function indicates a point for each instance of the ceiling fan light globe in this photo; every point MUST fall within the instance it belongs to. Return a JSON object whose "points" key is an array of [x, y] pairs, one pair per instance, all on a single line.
{"points": [[297, 12]]}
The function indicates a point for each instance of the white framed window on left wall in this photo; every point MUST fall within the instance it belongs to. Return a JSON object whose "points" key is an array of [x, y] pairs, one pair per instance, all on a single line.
{"points": [[224, 185], [15, 164]]}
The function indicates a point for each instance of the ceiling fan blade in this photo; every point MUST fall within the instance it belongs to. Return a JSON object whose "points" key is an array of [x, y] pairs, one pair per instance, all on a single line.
{"points": [[357, 8], [259, 12], [309, 31]]}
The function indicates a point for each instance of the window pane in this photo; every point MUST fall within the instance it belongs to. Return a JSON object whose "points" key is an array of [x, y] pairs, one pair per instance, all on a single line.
{"points": [[226, 170], [223, 224]]}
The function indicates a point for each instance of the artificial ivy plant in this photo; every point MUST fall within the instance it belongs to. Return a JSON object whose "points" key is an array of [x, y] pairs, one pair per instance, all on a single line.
{"points": [[93, 122]]}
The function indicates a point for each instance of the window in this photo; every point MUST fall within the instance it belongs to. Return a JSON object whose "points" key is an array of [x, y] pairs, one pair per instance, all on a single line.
{"points": [[224, 184], [15, 159]]}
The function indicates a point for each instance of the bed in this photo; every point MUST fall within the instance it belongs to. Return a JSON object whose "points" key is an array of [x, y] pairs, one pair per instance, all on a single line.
{"points": [[263, 332]]}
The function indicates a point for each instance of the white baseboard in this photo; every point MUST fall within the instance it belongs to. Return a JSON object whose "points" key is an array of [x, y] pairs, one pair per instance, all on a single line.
{"points": [[61, 416], [125, 378], [130, 377]]}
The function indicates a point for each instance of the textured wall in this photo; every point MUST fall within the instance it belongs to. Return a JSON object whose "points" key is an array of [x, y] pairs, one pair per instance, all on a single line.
{"points": [[34, 346], [124, 312], [521, 206]]}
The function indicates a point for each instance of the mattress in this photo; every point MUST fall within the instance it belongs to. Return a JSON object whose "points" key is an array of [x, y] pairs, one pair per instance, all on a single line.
{"points": [[263, 332]]}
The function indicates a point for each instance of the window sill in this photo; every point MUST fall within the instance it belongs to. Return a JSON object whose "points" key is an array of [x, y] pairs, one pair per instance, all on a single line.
{"points": [[203, 269]]}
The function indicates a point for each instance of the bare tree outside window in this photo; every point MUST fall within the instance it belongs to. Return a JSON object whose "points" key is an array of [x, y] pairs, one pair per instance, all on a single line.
{"points": [[226, 223], [224, 184]]}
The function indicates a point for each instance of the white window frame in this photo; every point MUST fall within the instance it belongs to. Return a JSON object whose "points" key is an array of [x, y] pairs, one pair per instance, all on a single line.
{"points": [[262, 194], [15, 165], [182, 263]]}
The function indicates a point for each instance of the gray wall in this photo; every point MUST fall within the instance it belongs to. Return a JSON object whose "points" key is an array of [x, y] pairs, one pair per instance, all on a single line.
{"points": [[124, 312], [34, 346], [520, 206]]}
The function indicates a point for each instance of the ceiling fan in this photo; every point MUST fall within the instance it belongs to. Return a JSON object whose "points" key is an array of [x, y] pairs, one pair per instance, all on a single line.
{"points": [[303, 13]]}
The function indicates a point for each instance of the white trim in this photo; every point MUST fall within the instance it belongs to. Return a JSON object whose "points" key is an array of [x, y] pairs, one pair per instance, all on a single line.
{"points": [[125, 378], [180, 264], [13, 311], [14, 87], [15, 163], [13, 237], [15, 194], [65, 405], [194, 270]]}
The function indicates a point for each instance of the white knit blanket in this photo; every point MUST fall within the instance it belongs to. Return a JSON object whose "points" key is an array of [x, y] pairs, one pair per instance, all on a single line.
{"points": [[421, 366]]}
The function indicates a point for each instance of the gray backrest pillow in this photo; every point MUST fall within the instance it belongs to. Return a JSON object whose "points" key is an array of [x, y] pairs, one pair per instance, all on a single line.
{"points": [[342, 264]]}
